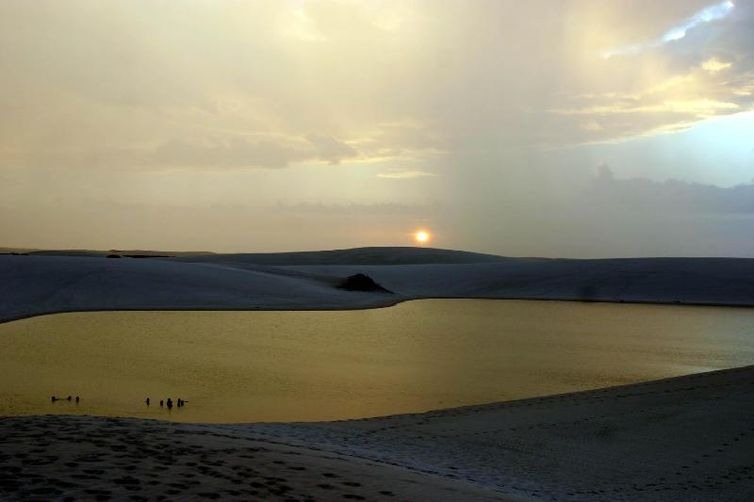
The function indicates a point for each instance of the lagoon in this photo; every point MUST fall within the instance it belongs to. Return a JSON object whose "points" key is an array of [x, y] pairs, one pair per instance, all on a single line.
{"points": [[328, 365]]}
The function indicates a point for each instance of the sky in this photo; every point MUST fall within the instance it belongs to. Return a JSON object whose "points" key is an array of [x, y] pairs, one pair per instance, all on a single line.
{"points": [[560, 128]]}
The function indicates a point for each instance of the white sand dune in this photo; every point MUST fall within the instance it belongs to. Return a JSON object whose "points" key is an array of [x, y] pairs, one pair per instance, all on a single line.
{"points": [[686, 438], [689, 438], [32, 285], [38, 284]]}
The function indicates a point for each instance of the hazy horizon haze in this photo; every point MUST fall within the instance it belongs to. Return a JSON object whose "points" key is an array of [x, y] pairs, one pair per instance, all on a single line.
{"points": [[576, 128]]}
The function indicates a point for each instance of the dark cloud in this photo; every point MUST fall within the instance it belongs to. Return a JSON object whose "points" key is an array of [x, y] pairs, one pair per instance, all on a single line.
{"points": [[676, 196]]}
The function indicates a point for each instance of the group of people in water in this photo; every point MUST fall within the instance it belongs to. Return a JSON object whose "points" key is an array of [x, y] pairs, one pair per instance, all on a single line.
{"points": [[180, 403], [169, 403], [69, 398]]}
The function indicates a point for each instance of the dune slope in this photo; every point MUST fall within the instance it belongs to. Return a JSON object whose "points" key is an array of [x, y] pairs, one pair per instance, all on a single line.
{"points": [[33, 285], [688, 438]]}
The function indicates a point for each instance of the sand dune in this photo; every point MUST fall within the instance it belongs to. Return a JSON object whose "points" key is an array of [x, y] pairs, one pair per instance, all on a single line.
{"points": [[720, 281], [356, 256], [32, 285], [688, 438]]}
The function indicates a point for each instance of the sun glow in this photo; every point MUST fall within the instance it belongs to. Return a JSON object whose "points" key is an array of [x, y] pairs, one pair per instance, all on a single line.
{"points": [[422, 236]]}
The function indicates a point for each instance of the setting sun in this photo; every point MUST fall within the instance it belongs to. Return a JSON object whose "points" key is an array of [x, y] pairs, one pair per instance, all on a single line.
{"points": [[422, 236]]}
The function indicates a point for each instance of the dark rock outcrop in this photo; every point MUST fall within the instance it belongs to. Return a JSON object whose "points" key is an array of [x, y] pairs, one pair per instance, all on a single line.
{"points": [[361, 282]]}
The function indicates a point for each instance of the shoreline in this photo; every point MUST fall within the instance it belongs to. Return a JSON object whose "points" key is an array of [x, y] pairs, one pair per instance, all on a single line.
{"points": [[749, 368], [376, 306], [680, 438]]}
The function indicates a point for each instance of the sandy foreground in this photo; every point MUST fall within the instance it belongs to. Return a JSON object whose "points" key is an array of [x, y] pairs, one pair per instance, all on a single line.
{"points": [[686, 438]]}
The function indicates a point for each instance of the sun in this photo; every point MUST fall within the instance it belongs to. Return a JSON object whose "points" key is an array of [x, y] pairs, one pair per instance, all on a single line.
{"points": [[422, 236]]}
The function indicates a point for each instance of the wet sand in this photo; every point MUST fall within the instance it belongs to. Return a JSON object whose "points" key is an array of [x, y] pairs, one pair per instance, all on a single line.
{"points": [[686, 438]]}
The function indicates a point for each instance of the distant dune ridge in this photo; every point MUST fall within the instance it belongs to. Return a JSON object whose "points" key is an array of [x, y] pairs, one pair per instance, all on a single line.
{"points": [[56, 281]]}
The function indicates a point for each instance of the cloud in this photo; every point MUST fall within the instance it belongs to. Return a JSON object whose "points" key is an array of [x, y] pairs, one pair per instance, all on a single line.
{"points": [[271, 152], [697, 107], [714, 65], [641, 194], [709, 88], [404, 175], [505, 102], [591, 125], [708, 14], [379, 209], [233, 153], [331, 149], [385, 80]]}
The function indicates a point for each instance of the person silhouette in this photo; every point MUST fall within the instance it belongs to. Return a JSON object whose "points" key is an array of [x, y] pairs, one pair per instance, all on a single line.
{"points": [[77, 399], [147, 401], [161, 403], [68, 398], [170, 404], [53, 399]]}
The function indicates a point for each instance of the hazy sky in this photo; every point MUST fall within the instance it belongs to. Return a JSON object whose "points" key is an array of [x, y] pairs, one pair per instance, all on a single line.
{"points": [[554, 128]]}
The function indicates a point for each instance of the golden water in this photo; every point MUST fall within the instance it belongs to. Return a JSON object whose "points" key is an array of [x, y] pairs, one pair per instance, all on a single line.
{"points": [[420, 355]]}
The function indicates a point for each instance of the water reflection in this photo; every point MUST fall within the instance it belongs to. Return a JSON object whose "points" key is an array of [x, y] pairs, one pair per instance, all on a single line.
{"points": [[252, 366]]}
